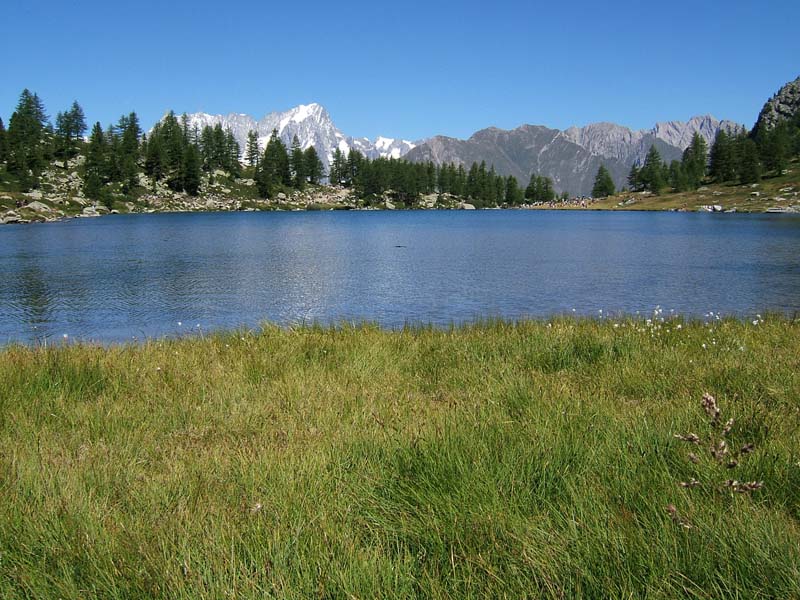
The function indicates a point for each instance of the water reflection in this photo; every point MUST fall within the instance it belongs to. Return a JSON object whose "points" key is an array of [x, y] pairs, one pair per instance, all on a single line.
{"points": [[113, 278]]}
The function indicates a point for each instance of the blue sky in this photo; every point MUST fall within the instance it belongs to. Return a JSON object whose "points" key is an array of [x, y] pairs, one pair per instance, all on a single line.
{"points": [[404, 69]]}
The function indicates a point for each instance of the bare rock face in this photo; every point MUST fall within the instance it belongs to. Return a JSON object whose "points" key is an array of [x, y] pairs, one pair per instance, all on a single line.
{"points": [[781, 107], [571, 157], [312, 125]]}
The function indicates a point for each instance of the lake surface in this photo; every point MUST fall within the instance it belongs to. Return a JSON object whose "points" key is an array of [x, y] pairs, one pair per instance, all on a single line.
{"points": [[133, 276]]}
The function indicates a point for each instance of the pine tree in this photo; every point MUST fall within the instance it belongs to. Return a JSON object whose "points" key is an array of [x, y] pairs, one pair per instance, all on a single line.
{"points": [[95, 167], [155, 160], [276, 161], [774, 148], [540, 189], [297, 165], [513, 195], [232, 154], [26, 139], [2, 141], [191, 170], [252, 153], [721, 166], [652, 173], [634, 181], [353, 166], [695, 160], [129, 131], [678, 178], [337, 168], [314, 167], [113, 170], [603, 184], [69, 130], [749, 165]]}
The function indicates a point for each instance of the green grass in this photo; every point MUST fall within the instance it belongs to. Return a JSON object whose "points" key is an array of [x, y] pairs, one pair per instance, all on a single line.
{"points": [[495, 460], [729, 196]]}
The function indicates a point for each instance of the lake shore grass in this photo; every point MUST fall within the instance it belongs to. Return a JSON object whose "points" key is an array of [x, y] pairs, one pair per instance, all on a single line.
{"points": [[518, 460]]}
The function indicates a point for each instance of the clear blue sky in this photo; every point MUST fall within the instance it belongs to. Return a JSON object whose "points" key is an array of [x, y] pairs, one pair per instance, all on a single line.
{"points": [[404, 69]]}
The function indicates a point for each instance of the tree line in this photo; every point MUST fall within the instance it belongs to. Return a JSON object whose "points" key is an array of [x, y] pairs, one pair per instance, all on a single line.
{"points": [[178, 154], [406, 181], [736, 157]]}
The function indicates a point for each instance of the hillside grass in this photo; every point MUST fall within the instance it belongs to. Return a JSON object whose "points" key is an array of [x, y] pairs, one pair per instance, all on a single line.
{"points": [[729, 196], [526, 460]]}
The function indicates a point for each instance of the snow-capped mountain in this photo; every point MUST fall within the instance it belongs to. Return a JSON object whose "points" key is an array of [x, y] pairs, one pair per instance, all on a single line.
{"points": [[312, 125]]}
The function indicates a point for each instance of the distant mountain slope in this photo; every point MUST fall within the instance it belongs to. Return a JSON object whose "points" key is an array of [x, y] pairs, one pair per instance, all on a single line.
{"points": [[312, 125], [570, 157]]}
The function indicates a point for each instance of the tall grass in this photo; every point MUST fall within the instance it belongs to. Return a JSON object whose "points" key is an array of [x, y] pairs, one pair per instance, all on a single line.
{"points": [[494, 460]]}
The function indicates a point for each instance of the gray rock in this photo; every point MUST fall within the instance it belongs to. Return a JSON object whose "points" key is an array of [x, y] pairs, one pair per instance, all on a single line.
{"points": [[37, 207], [466, 206], [781, 107]]}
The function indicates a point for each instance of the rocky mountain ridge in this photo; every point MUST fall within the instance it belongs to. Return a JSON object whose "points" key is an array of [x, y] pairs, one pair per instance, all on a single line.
{"points": [[570, 157], [782, 106], [313, 126]]}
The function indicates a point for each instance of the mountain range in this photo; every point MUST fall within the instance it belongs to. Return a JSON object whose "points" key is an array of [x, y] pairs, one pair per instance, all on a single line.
{"points": [[569, 157], [312, 125]]}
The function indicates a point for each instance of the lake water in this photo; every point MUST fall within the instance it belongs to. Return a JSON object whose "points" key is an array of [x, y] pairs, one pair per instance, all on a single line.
{"points": [[122, 277]]}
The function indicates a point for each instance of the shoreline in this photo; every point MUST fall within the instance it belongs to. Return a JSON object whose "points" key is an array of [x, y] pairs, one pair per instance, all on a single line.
{"points": [[66, 218], [623, 319]]}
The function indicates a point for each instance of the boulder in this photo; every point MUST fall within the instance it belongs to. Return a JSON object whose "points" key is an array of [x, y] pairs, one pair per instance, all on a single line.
{"points": [[36, 206], [466, 206]]}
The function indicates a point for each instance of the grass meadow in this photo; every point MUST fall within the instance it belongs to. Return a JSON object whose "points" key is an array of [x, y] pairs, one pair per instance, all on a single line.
{"points": [[571, 458]]}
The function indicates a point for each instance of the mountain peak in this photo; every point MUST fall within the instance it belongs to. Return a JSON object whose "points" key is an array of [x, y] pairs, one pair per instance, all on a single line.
{"points": [[311, 124], [782, 106]]}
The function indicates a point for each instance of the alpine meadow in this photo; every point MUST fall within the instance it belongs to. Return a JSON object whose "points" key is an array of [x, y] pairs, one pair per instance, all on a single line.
{"points": [[400, 301]]}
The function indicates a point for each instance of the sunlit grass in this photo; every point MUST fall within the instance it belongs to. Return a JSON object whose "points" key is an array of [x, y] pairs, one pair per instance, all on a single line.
{"points": [[495, 460]]}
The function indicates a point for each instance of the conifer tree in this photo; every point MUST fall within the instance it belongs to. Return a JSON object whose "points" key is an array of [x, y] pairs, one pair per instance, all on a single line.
{"points": [[297, 165], [652, 173], [352, 166], [749, 164], [2, 141], [128, 131], [26, 139], [252, 153], [678, 177], [634, 181], [95, 167], [540, 189], [774, 148], [721, 166], [191, 170], [314, 167], [276, 161], [337, 168], [232, 154], [695, 161], [514, 194], [603, 184]]}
